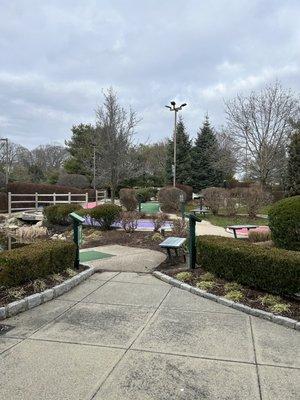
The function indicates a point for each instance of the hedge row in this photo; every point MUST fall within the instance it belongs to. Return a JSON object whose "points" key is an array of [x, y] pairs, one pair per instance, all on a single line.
{"points": [[58, 214], [271, 269], [34, 261]]}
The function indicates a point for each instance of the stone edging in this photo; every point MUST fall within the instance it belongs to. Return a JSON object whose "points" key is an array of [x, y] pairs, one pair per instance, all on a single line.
{"points": [[288, 322], [36, 299]]}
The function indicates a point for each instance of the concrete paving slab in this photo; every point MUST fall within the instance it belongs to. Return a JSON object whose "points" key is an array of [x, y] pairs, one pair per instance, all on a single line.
{"points": [[214, 335], [99, 324], [130, 293], [31, 320], [133, 277], [103, 276], [146, 376], [279, 383], [6, 343], [276, 344], [183, 300], [118, 250], [82, 290], [137, 262], [51, 371]]}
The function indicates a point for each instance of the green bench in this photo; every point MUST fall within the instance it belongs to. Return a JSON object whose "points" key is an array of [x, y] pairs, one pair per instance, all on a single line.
{"points": [[173, 243]]}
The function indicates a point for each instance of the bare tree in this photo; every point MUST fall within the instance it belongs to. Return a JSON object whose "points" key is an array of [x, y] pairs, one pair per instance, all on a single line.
{"points": [[259, 124], [114, 131]]}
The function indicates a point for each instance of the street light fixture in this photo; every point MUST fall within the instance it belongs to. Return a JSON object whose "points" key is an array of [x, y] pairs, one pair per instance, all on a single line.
{"points": [[175, 109]]}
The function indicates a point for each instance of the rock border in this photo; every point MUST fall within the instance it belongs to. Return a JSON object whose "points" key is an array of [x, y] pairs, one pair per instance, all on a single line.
{"points": [[36, 299], [277, 319]]}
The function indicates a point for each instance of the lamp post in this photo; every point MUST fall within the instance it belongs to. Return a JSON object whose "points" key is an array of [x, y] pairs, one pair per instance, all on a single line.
{"points": [[6, 158], [175, 109]]}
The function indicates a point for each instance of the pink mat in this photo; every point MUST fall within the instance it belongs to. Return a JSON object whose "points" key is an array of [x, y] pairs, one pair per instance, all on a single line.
{"points": [[90, 205], [244, 231]]}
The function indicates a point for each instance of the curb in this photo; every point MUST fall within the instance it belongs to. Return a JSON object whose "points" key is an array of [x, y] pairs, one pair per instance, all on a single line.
{"points": [[277, 319], [34, 300]]}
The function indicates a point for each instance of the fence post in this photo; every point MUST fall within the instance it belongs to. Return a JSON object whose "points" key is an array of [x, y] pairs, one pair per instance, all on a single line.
{"points": [[36, 200], [96, 197], [86, 199], [54, 198], [105, 195], [69, 197], [9, 204]]}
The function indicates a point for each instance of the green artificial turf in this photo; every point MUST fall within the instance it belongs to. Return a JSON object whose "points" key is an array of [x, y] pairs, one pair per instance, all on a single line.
{"points": [[91, 255]]}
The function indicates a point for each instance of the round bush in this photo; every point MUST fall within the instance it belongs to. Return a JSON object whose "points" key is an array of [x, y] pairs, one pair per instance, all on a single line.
{"points": [[105, 215], [169, 198], [128, 199], [284, 222], [146, 193], [58, 214]]}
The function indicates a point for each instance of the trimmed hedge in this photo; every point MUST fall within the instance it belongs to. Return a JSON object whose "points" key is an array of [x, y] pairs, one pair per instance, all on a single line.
{"points": [[146, 193], [169, 198], [128, 199], [105, 214], [188, 190], [271, 269], [34, 261], [58, 214], [284, 222]]}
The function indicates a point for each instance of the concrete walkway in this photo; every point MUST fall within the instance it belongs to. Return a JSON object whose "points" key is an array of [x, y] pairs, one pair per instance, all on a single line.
{"points": [[127, 258], [128, 336]]}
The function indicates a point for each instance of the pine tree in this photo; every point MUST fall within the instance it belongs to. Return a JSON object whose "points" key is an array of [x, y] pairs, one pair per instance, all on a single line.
{"points": [[204, 157], [183, 156], [294, 162]]}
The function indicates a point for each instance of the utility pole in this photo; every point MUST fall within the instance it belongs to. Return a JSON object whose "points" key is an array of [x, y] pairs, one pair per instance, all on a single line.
{"points": [[175, 109], [94, 167]]}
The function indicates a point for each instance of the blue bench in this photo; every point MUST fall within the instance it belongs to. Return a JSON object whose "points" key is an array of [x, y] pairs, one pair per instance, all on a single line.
{"points": [[174, 243]]}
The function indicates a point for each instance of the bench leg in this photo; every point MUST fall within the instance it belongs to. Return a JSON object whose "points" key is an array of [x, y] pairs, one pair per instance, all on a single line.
{"points": [[169, 254]]}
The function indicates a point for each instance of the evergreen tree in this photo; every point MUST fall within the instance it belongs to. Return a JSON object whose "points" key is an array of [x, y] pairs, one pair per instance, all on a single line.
{"points": [[294, 162], [205, 172], [183, 156]]}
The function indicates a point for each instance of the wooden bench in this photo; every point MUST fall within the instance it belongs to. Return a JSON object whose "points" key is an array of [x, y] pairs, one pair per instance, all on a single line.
{"points": [[174, 243], [237, 227]]}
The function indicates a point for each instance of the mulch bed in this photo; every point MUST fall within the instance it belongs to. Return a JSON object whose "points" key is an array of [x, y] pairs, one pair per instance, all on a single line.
{"points": [[27, 289], [251, 295]]}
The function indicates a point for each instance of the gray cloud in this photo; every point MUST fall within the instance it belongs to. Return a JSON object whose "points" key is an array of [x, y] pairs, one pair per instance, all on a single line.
{"points": [[56, 57]]}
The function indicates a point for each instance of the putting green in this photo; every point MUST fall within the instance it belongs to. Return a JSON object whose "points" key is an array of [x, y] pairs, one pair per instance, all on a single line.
{"points": [[150, 207], [92, 255]]}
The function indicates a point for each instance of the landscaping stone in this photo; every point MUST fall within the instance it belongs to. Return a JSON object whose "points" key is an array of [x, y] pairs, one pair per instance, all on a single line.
{"points": [[60, 289], [2, 313], [47, 295], [34, 300], [16, 307]]}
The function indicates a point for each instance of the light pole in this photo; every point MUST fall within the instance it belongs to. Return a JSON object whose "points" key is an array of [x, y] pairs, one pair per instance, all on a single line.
{"points": [[94, 167], [175, 109], [6, 158]]}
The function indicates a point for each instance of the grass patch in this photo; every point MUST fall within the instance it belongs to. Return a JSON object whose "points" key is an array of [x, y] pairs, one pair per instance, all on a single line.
{"points": [[224, 221]]}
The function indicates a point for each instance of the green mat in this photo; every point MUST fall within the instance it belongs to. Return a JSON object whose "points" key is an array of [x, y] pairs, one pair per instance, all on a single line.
{"points": [[150, 207], [91, 255]]}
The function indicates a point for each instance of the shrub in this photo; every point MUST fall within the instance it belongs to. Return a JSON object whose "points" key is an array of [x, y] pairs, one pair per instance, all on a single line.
{"points": [[213, 198], [179, 227], [146, 193], [158, 221], [231, 199], [254, 198], [35, 261], [128, 199], [169, 199], [39, 285], [58, 214], [279, 308], [105, 215], [284, 222], [234, 295], [205, 285], [208, 276], [157, 237], [188, 190], [270, 269], [261, 234], [74, 180], [269, 300], [129, 221], [184, 276], [232, 286]]}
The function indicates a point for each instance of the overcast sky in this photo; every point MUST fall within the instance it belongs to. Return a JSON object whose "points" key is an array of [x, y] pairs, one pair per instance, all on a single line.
{"points": [[57, 56]]}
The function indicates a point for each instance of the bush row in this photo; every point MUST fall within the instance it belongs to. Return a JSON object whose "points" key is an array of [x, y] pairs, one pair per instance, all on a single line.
{"points": [[271, 269], [34, 261]]}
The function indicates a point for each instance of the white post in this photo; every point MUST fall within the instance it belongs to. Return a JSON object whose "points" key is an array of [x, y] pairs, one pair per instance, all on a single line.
{"points": [[9, 204], [69, 197], [105, 195], [54, 198], [36, 199], [86, 199], [96, 197]]}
